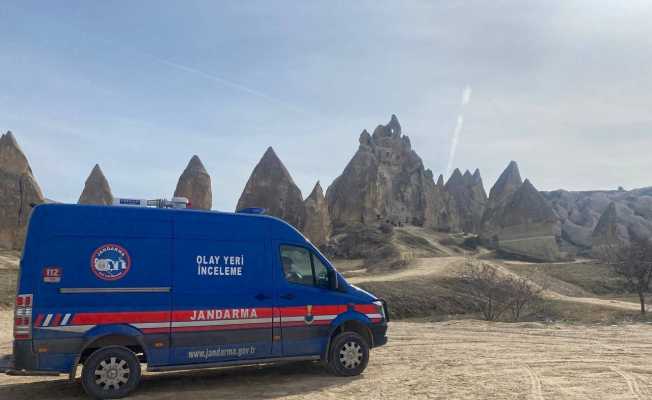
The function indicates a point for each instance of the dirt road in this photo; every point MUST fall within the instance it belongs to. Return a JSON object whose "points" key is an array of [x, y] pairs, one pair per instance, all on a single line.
{"points": [[436, 266], [451, 360]]}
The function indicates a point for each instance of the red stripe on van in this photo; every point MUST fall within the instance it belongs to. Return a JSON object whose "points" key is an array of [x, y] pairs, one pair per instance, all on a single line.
{"points": [[39, 320], [134, 317], [316, 310], [366, 308], [120, 317]]}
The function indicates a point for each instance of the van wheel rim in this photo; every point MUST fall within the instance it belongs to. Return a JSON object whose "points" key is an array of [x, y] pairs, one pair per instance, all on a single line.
{"points": [[351, 355], [112, 373]]}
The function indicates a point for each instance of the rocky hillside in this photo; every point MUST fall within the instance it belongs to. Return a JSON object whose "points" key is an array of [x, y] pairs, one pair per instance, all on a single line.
{"points": [[384, 185], [598, 216]]}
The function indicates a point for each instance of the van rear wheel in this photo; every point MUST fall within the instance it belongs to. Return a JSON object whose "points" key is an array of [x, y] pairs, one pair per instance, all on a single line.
{"points": [[349, 354], [111, 373]]}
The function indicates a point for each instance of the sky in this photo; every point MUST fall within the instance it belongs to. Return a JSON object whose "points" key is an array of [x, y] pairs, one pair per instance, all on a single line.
{"points": [[562, 87]]}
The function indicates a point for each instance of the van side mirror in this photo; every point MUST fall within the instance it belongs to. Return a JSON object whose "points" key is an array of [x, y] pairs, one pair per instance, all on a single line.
{"points": [[332, 280]]}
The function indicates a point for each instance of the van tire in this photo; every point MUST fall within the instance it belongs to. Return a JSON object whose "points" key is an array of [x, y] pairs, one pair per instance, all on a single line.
{"points": [[121, 368], [348, 355]]}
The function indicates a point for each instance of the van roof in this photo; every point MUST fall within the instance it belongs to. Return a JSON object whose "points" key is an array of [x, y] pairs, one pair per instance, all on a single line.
{"points": [[73, 218]]}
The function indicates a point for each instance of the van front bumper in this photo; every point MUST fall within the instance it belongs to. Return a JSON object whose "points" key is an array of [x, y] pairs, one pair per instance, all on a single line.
{"points": [[379, 333]]}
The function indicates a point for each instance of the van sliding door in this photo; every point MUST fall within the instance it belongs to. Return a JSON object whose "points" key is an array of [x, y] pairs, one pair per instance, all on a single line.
{"points": [[222, 301]]}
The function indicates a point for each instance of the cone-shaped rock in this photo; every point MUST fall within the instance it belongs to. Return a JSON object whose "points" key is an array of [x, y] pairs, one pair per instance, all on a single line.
{"points": [[506, 185], [468, 178], [527, 205], [469, 198], [195, 184], [96, 189], [386, 181], [317, 226], [477, 178], [478, 192], [440, 180], [527, 226], [12, 158], [18, 191], [609, 230], [270, 186]]}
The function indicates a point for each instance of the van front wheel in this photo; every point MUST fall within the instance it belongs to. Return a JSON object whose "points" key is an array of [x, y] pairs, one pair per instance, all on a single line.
{"points": [[349, 354], [111, 373]]}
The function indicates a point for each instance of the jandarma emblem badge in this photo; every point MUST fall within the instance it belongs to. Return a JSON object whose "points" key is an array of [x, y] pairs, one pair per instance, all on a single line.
{"points": [[110, 262], [309, 318]]}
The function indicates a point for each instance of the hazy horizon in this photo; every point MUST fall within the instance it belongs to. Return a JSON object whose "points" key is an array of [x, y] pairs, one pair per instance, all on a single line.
{"points": [[561, 87]]}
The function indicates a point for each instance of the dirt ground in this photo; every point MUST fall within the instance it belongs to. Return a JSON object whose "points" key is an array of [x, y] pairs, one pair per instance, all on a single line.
{"points": [[423, 360]]}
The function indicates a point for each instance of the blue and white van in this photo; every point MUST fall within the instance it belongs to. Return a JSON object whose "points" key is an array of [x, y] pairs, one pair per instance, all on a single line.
{"points": [[107, 288]]}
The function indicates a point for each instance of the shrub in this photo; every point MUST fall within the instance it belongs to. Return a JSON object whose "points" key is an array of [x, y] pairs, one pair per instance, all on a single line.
{"points": [[495, 293]]}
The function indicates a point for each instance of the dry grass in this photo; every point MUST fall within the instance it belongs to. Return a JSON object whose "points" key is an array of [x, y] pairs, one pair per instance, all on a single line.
{"points": [[590, 277], [440, 298]]}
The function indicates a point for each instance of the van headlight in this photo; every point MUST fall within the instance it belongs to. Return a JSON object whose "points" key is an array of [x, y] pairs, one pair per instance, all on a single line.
{"points": [[381, 309]]}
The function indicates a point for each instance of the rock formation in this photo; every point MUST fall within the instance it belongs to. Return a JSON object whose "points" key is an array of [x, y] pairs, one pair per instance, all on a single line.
{"points": [[528, 226], [469, 197], [580, 214], [18, 191], [518, 220], [195, 184], [609, 230], [270, 186], [386, 181], [96, 189], [317, 224], [478, 199], [506, 185], [440, 212]]}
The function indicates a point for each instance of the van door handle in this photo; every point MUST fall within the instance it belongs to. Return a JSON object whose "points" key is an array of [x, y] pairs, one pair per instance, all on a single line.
{"points": [[262, 296], [287, 296]]}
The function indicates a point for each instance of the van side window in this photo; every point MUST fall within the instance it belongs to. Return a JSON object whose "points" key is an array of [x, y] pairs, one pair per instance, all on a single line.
{"points": [[297, 266]]}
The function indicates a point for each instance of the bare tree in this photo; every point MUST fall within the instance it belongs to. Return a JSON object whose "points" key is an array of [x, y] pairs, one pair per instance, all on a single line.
{"points": [[633, 263], [495, 292], [523, 293], [489, 289]]}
